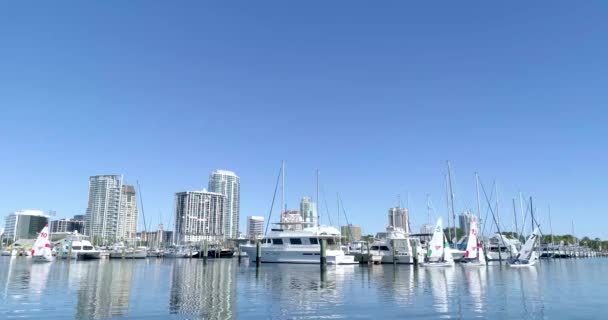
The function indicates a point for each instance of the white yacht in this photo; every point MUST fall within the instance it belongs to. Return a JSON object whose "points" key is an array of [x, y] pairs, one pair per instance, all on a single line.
{"points": [[300, 246], [75, 246], [122, 252], [407, 249], [501, 248]]}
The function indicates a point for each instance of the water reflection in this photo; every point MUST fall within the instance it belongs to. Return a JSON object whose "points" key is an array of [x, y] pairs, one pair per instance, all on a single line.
{"points": [[39, 274], [207, 290], [104, 287], [476, 284]]}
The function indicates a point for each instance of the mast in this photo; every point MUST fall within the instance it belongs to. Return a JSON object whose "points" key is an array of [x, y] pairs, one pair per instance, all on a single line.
{"points": [[452, 199], [532, 214], [550, 225], [447, 200], [478, 204], [282, 188], [523, 215], [317, 202], [141, 200], [338, 200], [515, 218]]}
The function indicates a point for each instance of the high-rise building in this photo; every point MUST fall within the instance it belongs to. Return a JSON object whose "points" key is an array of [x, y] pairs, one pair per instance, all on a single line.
{"points": [[67, 225], [255, 227], [101, 219], [198, 216], [308, 210], [351, 232], [127, 214], [399, 218], [464, 221], [228, 183], [24, 224]]}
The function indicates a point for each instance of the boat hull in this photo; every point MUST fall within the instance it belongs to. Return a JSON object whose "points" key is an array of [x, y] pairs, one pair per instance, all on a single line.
{"points": [[303, 256], [129, 255], [437, 264], [42, 258]]}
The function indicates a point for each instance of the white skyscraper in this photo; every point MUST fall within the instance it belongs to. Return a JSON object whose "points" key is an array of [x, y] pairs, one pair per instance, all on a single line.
{"points": [[308, 210], [228, 184], [128, 213], [255, 227], [198, 216], [101, 219]]}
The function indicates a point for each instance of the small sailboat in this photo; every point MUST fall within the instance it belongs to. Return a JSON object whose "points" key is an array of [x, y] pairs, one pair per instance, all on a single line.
{"points": [[439, 253], [474, 255], [527, 256], [42, 252]]}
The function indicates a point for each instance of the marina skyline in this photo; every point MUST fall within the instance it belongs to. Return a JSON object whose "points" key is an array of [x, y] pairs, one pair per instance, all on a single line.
{"points": [[375, 97]]}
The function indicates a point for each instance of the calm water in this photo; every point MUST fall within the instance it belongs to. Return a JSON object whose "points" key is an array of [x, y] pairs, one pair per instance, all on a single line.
{"points": [[223, 289]]}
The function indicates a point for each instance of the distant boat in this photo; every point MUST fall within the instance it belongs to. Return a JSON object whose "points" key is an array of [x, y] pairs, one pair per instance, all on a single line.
{"points": [[75, 246], [405, 251], [527, 256], [122, 252], [439, 253], [42, 252], [180, 252], [474, 255]]}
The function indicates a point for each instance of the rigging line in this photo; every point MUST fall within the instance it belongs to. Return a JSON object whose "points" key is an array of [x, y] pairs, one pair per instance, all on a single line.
{"points": [[274, 196], [494, 218], [348, 226], [485, 218], [326, 206]]}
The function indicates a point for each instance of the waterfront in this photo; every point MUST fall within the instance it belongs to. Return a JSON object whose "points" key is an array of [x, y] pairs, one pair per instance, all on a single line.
{"points": [[223, 289]]}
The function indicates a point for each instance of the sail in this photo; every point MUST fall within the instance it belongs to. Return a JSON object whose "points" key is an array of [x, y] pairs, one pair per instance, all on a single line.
{"points": [[528, 248], [42, 246], [436, 246], [472, 244]]}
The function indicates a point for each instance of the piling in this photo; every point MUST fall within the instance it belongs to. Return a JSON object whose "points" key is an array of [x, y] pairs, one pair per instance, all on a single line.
{"points": [[70, 252], [122, 254], [205, 249], [258, 252], [369, 257], [394, 252], [323, 253]]}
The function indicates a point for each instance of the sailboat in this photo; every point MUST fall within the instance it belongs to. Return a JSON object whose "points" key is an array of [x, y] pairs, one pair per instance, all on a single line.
{"points": [[527, 256], [474, 255], [439, 253], [41, 252]]}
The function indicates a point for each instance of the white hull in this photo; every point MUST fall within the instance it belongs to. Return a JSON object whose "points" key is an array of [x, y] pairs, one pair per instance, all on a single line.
{"points": [[42, 258], [138, 254], [82, 255], [438, 264], [472, 264], [180, 254], [521, 265], [301, 256]]}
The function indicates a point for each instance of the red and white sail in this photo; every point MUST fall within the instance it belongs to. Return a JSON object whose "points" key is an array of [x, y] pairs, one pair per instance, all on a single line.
{"points": [[42, 246]]}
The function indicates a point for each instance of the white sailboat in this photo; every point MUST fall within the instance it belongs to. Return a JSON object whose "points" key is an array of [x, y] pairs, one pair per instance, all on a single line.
{"points": [[41, 252], [474, 255], [527, 256], [439, 253]]}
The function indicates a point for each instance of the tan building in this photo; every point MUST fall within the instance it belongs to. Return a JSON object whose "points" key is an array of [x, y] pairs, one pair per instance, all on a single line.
{"points": [[354, 234]]}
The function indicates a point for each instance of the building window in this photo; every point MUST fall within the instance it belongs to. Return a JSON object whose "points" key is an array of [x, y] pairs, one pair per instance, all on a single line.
{"points": [[277, 241], [295, 241]]}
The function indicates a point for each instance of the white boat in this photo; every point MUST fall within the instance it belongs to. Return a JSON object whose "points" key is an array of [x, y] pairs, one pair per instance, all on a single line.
{"points": [[439, 253], [527, 256], [501, 248], [180, 252], [300, 246], [41, 251], [75, 246], [407, 250], [474, 255], [122, 252]]}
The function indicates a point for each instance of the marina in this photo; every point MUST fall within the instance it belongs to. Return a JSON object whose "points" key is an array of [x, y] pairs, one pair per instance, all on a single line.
{"points": [[226, 289]]}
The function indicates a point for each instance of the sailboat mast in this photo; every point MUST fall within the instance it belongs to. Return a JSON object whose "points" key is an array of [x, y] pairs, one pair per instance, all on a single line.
{"points": [[523, 214], [550, 225], [478, 203], [447, 200], [452, 199], [532, 214], [282, 188], [428, 207], [317, 202], [515, 217], [338, 200]]}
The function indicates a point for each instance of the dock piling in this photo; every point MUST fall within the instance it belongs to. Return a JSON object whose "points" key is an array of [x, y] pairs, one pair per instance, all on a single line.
{"points": [[258, 252], [323, 253]]}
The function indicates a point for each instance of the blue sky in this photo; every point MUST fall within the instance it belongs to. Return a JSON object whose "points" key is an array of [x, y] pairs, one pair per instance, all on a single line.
{"points": [[376, 96]]}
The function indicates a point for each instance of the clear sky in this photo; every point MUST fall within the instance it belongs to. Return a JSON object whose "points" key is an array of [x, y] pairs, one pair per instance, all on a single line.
{"points": [[377, 96]]}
